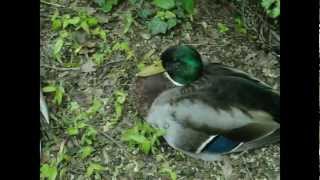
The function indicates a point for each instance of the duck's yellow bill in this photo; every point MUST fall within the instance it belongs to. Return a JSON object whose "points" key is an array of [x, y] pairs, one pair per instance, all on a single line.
{"points": [[153, 69]]}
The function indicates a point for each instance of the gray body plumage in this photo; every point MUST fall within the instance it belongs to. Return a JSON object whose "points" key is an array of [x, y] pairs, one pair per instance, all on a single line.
{"points": [[223, 102]]}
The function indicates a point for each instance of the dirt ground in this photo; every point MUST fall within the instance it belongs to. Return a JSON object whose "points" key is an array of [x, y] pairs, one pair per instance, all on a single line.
{"points": [[120, 161]]}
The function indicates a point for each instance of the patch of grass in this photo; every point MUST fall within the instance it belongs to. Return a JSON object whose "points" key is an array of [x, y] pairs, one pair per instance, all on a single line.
{"points": [[50, 170], [144, 136], [165, 168], [94, 168], [272, 7], [57, 90], [80, 21], [124, 47], [120, 98], [222, 28], [239, 26]]}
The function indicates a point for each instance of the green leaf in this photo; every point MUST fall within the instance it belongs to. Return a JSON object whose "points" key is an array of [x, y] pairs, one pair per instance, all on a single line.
{"points": [[222, 28], [59, 95], [100, 32], [74, 106], [267, 3], [123, 46], [64, 34], [49, 172], [72, 131], [146, 146], [169, 14], [143, 135], [157, 26], [106, 5], [240, 26], [276, 10], [92, 21], [172, 23], [84, 25], [50, 88], [128, 22], [144, 13], [58, 46], [98, 58], [92, 168], [72, 21], [56, 24], [81, 125], [96, 106], [164, 4], [141, 66], [120, 96], [60, 154], [86, 151], [272, 7], [188, 6]]}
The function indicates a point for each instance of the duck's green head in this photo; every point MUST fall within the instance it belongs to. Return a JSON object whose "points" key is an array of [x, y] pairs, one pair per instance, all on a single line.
{"points": [[182, 64]]}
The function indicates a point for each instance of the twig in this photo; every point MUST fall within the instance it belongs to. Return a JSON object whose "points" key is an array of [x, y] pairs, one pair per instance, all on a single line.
{"points": [[112, 139], [52, 4], [60, 68]]}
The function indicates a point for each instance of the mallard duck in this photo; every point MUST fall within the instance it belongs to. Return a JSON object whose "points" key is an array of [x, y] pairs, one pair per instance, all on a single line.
{"points": [[211, 109]]}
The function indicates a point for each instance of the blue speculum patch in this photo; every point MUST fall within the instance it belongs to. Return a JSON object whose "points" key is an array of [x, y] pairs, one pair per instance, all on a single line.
{"points": [[221, 144]]}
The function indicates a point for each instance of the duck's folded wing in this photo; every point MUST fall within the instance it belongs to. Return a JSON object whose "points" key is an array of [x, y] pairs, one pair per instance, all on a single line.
{"points": [[216, 69]]}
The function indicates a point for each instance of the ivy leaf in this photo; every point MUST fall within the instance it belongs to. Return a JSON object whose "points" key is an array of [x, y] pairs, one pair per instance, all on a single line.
{"points": [[58, 46], [188, 6], [267, 3], [276, 10], [172, 23], [93, 167], [222, 28], [164, 4], [99, 32], [72, 131], [86, 151], [72, 21], [56, 24], [98, 58], [92, 21], [128, 22], [84, 25], [49, 88], [157, 26], [169, 14], [106, 5], [144, 13], [48, 172], [96, 106]]}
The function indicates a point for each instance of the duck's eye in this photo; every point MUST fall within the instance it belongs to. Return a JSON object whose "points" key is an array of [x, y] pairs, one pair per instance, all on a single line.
{"points": [[221, 144]]}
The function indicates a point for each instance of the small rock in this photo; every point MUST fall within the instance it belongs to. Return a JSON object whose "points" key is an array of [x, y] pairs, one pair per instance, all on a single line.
{"points": [[145, 35], [89, 66]]}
